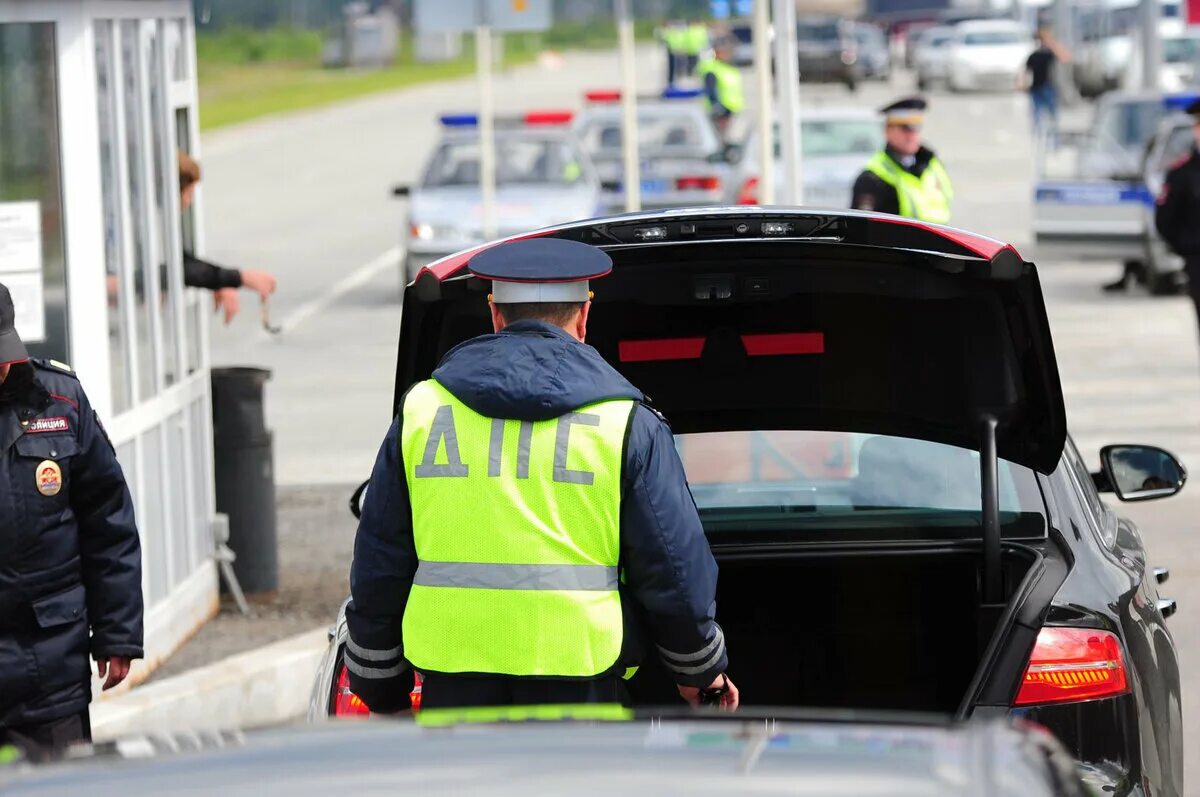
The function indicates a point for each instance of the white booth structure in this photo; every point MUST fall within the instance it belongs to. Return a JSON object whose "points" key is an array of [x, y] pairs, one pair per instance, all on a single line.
{"points": [[96, 98]]}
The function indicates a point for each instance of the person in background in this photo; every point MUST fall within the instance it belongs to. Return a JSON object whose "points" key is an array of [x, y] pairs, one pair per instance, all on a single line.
{"points": [[1039, 81], [905, 178], [723, 89], [197, 273], [1177, 216], [674, 38], [696, 43]]}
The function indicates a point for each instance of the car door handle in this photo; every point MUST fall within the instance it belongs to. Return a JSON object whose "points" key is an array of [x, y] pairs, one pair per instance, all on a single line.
{"points": [[1161, 574], [1167, 606]]}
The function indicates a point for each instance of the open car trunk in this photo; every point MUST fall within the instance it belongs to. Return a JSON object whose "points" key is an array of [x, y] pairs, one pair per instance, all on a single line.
{"points": [[866, 630]]}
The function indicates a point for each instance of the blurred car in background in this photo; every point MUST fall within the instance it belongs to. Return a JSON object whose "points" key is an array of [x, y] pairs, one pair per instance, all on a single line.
{"points": [[1180, 67], [835, 145], [542, 177], [683, 162], [1108, 33], [987, 55], [874, 53], [931, 55], [828, 51]]}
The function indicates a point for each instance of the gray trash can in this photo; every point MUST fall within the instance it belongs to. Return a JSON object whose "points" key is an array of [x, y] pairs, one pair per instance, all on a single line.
{"points": [[245, 476]]}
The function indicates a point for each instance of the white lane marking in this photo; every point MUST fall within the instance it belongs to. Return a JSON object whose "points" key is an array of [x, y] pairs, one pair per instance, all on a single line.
{"points": [[355, 279]]}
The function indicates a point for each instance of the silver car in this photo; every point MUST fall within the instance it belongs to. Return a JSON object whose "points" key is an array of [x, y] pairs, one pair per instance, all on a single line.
{"points": [[835, 143], [543, 177], [683, 162], [930, 54]]}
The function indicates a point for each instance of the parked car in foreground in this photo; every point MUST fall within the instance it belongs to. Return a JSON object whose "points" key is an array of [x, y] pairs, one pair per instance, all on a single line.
{"points": [[869, 412]]}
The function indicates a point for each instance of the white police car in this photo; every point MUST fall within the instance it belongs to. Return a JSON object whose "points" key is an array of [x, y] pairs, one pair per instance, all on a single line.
{"points": [[543, 177]]}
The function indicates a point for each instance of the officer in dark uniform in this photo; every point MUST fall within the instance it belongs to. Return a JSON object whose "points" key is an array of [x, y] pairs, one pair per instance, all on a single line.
{"points": [[527, 504], [70, 560], [1177, 216], [905, 177]]}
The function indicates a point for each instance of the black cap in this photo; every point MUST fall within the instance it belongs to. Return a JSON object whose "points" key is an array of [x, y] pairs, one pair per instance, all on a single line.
{"points": [[910, 110], [540, 270], [12, 350]]}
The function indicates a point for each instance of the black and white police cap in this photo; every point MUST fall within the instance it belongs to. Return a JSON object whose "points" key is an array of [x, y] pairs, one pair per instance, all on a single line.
{"points": [[539, 270]]}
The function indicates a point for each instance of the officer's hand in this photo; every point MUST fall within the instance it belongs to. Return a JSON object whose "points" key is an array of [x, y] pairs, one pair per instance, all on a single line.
{"points": [[226, 299], [729, 700], [116, 667]]}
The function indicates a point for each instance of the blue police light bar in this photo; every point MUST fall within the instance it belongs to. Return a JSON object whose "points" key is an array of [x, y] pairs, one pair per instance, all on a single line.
{"points": [[673, 93], [1179, 102], [459, 120]]}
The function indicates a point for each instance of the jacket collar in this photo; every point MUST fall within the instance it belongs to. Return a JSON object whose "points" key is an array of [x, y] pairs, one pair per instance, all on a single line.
{"points": [[23, 406]]}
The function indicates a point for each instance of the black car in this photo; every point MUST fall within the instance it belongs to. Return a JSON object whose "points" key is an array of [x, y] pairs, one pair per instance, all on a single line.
{"points": [[871, 419], [827, 756], [828, 51]]}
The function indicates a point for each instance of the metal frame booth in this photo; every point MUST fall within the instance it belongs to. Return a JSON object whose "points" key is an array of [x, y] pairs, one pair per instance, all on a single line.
{"points": [[96, 97]]}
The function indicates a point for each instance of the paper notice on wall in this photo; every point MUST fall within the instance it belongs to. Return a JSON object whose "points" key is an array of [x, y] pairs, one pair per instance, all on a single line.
{"points": [[21, 266]]}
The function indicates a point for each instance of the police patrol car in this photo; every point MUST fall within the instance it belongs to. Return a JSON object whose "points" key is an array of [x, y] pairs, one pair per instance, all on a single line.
{"points": [[543, 177], [683, 162]]}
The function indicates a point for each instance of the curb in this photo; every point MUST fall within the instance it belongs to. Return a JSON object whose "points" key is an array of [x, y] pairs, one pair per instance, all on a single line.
{"points": [[265, 686]]}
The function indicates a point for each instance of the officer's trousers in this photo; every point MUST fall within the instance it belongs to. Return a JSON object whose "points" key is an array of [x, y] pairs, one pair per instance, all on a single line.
{"points": [[45, 740], [463, 691]]}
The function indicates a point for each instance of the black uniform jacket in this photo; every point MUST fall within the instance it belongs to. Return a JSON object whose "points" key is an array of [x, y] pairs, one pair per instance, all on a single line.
{"points": [[70, 560], [872, 193], [1177, 217], [533, 371]]}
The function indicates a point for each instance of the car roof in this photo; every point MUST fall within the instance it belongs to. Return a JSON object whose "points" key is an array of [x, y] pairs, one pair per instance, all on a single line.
{"points": [[745, 756], [989, 24]]}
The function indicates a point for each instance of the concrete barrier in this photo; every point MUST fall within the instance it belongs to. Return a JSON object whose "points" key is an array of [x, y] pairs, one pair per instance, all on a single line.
{"points": [[266, 686]]}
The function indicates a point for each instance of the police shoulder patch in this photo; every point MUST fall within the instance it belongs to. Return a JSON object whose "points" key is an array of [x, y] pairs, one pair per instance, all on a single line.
{"points": [[61, 366]]}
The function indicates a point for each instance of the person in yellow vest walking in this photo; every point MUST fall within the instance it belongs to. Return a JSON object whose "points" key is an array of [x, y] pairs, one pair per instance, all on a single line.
{"points": [[528, 521], [695, 43], [905, 178], [723, 90], [675, 38]]}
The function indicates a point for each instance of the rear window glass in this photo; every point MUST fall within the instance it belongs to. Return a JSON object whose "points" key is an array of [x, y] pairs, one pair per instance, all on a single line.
{"points": [[658, 133], [1130, 124], [517, 163], [984, 37], [1181, 50], [796, 481], [818, 31]]}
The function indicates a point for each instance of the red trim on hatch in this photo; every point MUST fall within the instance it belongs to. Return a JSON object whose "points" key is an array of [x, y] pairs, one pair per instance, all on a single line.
{"points": [[983, 246], [640, 351], [784, 343], [447, 267]]}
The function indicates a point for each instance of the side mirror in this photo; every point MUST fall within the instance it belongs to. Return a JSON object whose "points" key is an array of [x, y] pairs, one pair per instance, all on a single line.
{"points": [[356, 500], [401, 190], [1141, 473]]}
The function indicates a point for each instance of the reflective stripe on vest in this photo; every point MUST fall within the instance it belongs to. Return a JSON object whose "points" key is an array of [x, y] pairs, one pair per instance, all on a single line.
{"points": [[729, 83], [517, 532], [926, 197]]}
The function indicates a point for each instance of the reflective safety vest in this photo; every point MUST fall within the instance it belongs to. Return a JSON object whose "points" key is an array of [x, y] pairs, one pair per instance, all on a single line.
{"points": [[926, 197], [676, 39], [729, 83], [517, 533], [695, 40]]}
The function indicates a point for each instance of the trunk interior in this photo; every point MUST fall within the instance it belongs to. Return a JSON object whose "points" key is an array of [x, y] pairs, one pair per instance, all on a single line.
{"points": [[869, 630]]}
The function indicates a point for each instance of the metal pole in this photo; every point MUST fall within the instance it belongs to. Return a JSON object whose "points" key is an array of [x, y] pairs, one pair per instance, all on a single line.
{"points": [[629, 124], [787, 76], [766, 102], [487, 128], [1150, 15]]}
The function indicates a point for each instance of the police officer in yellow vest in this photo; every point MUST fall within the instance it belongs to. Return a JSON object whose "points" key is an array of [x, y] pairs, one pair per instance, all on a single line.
{"points": [[528, 520], [675, 38], [695, 44], [723, 89], [905, 178]]}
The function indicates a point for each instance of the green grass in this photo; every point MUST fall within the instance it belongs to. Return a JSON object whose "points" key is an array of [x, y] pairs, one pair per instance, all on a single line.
{"points": [[246, 74]]}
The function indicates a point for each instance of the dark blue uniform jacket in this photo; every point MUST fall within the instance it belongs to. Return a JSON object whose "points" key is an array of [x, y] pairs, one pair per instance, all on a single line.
{"points": [[533, 371], [70, 563]]}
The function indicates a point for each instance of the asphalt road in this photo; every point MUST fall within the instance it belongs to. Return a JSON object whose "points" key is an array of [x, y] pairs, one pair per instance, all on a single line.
{"points": [[307, 197]]}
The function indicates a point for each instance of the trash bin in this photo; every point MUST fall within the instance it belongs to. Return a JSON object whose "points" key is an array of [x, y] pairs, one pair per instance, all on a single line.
{"points": [[245, 476]]}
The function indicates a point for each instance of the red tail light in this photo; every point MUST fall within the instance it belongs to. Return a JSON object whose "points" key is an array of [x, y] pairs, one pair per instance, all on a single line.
{"points": [[346, 703], [603, 95], [535, 118], [708, 183], [1073, 664], [749, 193]]}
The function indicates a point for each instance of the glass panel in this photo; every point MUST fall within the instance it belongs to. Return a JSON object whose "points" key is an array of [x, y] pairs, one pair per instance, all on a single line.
{"points": [[193, 323], [118, 333], [165, 224], [153, 521], [136, 153], [201, 474], [179, 528], [32, 249], [177, 56]]}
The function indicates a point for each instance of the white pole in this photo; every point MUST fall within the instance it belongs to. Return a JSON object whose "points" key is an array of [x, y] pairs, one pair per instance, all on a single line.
{"points": [[787, 77], [487, 127], [766, 102], [1151, 14], [629, 124]]}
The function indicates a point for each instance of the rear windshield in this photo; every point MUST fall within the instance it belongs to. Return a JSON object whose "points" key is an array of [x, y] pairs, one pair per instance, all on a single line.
{"points": [[1181, 50], [659, 133], [818, 31], [517, 163], [1130, 124], [985, 37], [797, 482]]}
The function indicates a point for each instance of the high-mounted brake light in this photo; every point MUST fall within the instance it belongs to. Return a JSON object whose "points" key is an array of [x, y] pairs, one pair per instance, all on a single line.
{"points": [[548, 117], [348, 704], [748, 195], [603, 95], [698, 183], [1073, 664], [459, 120]]}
